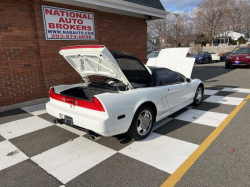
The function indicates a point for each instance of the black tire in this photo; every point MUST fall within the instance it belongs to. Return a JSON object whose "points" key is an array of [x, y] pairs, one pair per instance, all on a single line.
{"points": [[133, 131], [227, 66], [199, 92]]}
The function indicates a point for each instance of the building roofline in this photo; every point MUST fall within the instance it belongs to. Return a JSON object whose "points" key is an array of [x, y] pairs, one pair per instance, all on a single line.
{"points": [[151, 42], [106, 5]]}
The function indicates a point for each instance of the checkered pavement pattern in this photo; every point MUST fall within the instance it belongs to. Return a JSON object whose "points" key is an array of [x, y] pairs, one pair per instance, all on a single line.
{"points": [[36, 152]]}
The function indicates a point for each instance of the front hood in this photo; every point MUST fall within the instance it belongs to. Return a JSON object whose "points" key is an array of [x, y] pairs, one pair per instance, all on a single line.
{"points": [[238, 55], [94, 60], [174, 59]]}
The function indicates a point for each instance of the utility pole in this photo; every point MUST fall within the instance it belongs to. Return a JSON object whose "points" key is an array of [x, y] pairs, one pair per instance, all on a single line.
{"points": [[176, 19]]}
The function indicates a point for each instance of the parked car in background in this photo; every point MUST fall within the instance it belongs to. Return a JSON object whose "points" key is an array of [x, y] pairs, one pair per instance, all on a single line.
{"points": [[240, 56], [224, 56], [153, 54], [131, 97], [202, 57], [215, 56]]}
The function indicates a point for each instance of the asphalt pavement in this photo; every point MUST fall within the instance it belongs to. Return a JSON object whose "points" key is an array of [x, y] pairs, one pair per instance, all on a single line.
{"points": [[226, 161], [215, 74], [36, 152]]}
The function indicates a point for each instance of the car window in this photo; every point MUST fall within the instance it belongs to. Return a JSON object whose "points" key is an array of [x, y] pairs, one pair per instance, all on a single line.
{"points": [[199, 53], [169, 77], [151, 54], [155, 54]]}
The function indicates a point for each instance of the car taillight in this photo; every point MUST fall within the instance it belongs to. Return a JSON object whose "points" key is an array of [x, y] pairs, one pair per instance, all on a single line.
{"points": [[95, 105]]}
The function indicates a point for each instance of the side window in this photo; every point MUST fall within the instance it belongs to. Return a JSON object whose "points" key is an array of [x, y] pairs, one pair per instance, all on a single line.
{"points": [[169, 77]]}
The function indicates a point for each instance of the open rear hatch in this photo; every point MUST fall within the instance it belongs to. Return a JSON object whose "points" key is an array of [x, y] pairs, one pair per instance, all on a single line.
{"points": [[174, 59], [94, 60]]}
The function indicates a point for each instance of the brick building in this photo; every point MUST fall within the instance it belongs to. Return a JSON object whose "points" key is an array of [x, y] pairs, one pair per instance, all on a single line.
{"points": [[31, 64]]}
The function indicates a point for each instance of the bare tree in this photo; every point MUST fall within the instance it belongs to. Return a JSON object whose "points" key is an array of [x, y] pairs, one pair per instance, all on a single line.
{"points": [[163, 29], [210, 18], [207, 17]]}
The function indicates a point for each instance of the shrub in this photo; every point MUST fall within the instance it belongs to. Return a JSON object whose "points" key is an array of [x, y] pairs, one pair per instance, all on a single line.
{"points": [[241, 40]]}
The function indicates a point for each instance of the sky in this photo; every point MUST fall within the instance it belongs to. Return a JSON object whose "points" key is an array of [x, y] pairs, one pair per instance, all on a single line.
{"points": [[179, 5]]}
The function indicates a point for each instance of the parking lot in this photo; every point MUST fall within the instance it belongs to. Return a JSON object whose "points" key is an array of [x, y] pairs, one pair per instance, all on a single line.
{"points": [[36, 152]]}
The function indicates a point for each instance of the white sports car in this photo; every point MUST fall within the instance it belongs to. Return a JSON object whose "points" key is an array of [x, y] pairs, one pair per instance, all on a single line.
{"points": [[131, 98]]}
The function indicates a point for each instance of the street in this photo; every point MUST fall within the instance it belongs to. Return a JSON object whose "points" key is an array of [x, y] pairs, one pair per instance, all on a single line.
{"points": [[36, 152]]}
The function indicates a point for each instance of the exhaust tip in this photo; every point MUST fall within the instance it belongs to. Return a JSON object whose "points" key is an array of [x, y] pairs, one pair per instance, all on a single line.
{"points": [[92, 137], [60, 121]]}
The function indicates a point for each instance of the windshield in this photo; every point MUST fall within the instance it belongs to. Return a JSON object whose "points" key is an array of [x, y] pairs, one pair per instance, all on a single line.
{"points": [[241, 51], [154, 54], [199, 54]]}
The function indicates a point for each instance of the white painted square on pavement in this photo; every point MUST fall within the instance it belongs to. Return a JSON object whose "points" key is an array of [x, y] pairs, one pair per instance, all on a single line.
{"points": [[162, 152], [210, 92], [236, 90], [213, 119], [36, 109], [67, 161], [10, 155], [23, 126], [224, 100]]}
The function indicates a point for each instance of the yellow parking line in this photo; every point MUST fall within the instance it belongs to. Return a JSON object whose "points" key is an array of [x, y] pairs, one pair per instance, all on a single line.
{"points": [[176, 176]]}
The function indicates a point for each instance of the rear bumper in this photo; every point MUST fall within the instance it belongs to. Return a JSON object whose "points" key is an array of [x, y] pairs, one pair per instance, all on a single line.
{"points": [[98, 122], [216, 58]]}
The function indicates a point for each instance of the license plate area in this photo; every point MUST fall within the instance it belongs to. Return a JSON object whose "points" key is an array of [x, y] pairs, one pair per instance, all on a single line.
{"points": [[237, 62], [68, 120]]}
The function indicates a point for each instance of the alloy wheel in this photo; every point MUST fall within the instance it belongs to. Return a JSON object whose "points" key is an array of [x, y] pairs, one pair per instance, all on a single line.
{"points": [[199, 95], [144, 122]]}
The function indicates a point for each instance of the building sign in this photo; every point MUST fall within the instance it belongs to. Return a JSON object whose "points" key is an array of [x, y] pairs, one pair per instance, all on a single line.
{"points": [[66, 24]]}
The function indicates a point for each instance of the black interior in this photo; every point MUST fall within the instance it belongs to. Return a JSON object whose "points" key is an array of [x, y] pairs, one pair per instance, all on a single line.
{"points": [[85, 93], [132, 68]]}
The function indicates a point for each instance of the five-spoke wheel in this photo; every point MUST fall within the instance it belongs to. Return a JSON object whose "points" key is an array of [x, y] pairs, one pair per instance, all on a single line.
{"points": [[142, 123], [198, 96]]}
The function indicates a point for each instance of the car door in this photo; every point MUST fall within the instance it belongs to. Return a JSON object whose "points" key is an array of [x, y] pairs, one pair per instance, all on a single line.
{"points": [[177, 90]]}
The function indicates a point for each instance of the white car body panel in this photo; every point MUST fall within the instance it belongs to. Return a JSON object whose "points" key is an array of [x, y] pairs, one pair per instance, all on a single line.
{"points": [[215, 57], [174, 59], [166, 99]]}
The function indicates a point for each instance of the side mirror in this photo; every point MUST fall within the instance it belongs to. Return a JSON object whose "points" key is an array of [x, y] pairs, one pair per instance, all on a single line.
{"points": [[188, 80]]}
